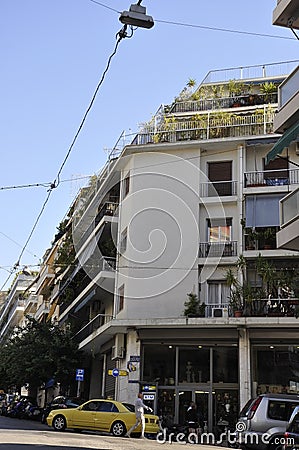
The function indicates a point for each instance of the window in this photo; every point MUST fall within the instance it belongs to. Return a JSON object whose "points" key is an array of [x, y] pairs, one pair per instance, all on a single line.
{"points": [[121, 297], [218, 293], [220, 174], [123, 241], [107, 407], [126, 185], [276, 172], [219, 230], [277, 410]]}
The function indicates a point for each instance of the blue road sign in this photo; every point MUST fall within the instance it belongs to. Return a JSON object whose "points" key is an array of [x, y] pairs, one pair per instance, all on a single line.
{"points": [[115, 372], [79, 374]]}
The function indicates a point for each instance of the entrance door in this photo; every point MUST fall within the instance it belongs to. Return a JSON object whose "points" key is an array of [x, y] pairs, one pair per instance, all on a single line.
{"points": [[201, 398]]}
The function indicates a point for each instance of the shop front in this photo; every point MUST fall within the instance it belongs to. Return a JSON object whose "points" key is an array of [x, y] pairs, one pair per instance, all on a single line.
{"points": [[205, 374]]}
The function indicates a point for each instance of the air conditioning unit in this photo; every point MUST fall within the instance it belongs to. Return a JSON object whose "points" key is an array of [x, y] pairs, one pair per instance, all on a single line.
{"points": [[118, 349], [220, 312]]}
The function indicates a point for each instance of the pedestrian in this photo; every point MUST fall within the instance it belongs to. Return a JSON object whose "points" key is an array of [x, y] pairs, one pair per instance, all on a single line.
{"points": [[139, 413], [192, 420]]}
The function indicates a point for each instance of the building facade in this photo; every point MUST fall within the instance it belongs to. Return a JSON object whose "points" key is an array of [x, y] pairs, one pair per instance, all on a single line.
{"points": [[185, 216]]}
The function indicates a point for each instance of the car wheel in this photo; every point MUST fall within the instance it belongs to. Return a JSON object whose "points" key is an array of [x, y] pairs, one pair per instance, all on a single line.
{"points": [[59, 423], [118, 429], [276, 445]]}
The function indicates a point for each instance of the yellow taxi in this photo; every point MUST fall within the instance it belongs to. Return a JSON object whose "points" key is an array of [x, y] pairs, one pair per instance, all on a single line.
{"points": [[101, 415]]}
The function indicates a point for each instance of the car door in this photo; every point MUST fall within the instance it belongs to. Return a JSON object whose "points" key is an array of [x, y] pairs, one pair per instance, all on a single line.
{"points": [[106, 414], [84, 416]]}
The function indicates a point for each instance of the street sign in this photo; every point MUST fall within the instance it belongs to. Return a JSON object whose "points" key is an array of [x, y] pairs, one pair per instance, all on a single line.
{"points": [[79, 374], [117, 372], [134, 358], [148, 396], [147, 388]]}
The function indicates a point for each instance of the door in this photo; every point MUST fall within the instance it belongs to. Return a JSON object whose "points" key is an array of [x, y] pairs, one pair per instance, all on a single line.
{"points": [[85, 416], [201, 398], [105, 415]]}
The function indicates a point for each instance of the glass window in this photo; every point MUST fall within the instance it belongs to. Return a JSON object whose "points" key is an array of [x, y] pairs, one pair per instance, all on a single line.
{"points": [[166, 406], [225, 365], [107, 407], [159, 364], [277, 410], [194, 364], [275, 369], [219, 230]]}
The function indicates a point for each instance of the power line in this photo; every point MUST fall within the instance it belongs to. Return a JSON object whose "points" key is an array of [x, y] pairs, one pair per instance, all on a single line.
{"points": [[225, 30], [46, 184], [122, 34]]}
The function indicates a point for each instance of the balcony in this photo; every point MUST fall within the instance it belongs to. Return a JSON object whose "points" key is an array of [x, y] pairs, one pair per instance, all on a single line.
{"points": [[217, 249], [288, 94], [30, 303], [286, 14], [212, 104], [274, 307], [266, 178], [92, 326], [206, 127], [218, 188], [287, 237]]}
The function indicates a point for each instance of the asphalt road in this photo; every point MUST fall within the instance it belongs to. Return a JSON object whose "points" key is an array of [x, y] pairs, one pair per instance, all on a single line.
{"points": [[16, 434]]}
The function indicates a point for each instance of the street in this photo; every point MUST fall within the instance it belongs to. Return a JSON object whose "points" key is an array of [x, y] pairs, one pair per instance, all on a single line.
{"points": [[19, 434]]}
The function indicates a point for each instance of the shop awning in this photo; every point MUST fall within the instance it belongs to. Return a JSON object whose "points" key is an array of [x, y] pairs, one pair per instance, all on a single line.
{"points": [[289, 136]]}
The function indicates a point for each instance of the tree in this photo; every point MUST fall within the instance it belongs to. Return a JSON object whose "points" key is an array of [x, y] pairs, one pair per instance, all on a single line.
{"points": [[37, 352], [191, 305]]}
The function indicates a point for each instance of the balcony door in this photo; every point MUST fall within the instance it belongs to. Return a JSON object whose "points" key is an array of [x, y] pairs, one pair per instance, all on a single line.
{"points": [[220, 174]]}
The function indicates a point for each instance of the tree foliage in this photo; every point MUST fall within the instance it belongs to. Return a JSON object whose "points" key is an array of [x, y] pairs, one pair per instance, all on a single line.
{"points": [[37, 352]]}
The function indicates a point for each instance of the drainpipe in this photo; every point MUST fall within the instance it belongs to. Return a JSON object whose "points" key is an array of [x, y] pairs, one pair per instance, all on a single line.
{"points": [[241, 151]]}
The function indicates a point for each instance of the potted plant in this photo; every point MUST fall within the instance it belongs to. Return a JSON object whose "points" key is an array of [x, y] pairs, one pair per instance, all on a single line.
{"points": [[269, 235], [192, 306]]}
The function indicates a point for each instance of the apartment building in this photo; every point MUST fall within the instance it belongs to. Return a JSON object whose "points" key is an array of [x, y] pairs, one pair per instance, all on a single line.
{"points": [[186, 210], [286, 121], [189, 206]]}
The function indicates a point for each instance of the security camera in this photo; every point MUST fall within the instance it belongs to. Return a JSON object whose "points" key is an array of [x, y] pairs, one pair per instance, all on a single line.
{"points": [[137, 17]]}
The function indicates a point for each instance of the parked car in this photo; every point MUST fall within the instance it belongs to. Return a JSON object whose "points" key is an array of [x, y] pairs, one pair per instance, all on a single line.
{"points": [[60, 402], [101, 415], [291, 436], [263, 420]]}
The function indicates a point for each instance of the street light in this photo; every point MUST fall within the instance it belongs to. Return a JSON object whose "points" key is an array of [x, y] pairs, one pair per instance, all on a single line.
{"points": [[136, 16]]}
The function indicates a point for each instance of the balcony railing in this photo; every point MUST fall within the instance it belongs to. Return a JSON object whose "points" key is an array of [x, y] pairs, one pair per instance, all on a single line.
{"points": [[279, 177], [212, 104], [108, 209], [289, 209], [207, 127], [92, 326], [217, 249], [221, 188]]}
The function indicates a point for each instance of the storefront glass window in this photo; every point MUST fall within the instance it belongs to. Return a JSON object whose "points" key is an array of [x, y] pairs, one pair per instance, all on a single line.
{"points": [[275, 369], [159, 364], [194, 365], [225, 365], [166, 406]]}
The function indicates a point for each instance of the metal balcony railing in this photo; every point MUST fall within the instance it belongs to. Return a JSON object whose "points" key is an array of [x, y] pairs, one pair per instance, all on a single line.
{"points": [[207, 127], [218, 188], [279, 177], [212, 104], [92, 326], [217, 249]]}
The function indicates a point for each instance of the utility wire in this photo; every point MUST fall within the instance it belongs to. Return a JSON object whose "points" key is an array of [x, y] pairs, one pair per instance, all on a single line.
{"points": [[122, 34], [119, 38], [47, 184], [226, 30]]}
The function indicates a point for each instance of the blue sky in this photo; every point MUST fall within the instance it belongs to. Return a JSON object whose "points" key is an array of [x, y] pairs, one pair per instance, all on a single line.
{"points": [[53, 53]]}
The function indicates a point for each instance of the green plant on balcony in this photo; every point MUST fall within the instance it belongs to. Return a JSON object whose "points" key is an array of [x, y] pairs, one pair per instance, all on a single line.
{"points": [[193, 307], [268, 89]]}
